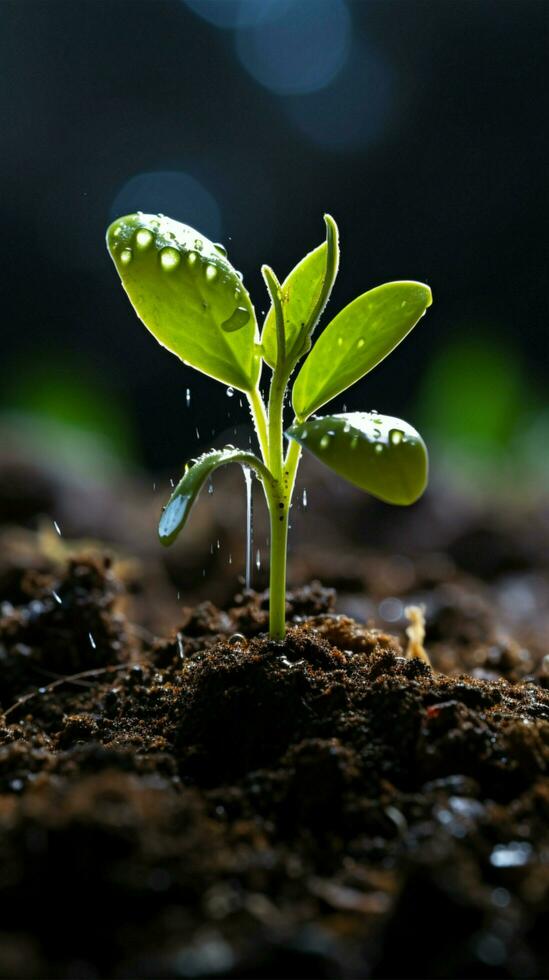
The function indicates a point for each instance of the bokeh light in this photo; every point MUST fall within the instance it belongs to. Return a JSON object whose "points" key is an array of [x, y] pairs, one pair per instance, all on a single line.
{"points": [[294, 47], [356, 110], [227, 14], [170, 192]]}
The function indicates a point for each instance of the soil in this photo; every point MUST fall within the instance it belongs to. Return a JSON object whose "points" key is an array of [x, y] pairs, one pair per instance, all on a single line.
{"points": [[216, 804]]}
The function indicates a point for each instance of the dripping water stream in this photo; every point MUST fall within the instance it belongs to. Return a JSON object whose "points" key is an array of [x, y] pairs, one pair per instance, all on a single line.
{"points": [[249, 525]]}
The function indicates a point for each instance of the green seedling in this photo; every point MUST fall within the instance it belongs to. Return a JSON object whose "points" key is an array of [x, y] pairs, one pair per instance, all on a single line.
{"points": [[193, 301]]}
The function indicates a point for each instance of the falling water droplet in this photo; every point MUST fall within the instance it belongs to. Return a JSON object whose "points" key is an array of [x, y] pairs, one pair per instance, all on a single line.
{"points": [[197, 432], [188, 397], [56, 596], [180, 647], [143, 238], [57, 528], [230, 559], [304, 498], [126, 256], [258, 559], [230, 392], [169, 258], [210, 487], [92, 641]]}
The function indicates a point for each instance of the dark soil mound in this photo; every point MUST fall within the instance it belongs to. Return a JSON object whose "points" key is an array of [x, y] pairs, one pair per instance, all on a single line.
{"points": [[222, 805]]}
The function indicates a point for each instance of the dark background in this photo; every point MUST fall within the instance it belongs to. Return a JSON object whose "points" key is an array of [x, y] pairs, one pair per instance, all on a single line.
{"points": [[427, 144]]}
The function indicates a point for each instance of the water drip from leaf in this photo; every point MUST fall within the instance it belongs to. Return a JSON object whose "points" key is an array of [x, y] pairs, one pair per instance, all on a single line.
{"points": [[249, 525]]}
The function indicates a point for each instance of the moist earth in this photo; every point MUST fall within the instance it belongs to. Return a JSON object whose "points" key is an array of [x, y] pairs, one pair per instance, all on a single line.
{"points": [[217, 804]]}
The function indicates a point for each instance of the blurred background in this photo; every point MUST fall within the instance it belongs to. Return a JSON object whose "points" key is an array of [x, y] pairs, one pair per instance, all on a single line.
{"points": [[417, 123]]}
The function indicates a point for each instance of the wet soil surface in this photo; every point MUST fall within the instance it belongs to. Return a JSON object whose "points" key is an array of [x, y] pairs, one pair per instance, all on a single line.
{"points": [[216, 804]]}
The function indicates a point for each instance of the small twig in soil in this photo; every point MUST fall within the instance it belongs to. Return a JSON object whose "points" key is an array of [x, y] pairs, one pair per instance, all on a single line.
{"points": [[71, 679]]}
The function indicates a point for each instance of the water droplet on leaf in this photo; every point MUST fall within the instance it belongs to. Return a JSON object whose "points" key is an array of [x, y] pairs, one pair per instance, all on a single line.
{"points": [[169, 258], [143, 238], [126, 256], [237, 320]]}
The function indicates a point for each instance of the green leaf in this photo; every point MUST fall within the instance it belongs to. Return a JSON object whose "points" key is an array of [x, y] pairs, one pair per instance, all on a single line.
{"points": [[178, 508], [188, 295], [382, 455], [300, 291], [305, 292], [357, 339]]}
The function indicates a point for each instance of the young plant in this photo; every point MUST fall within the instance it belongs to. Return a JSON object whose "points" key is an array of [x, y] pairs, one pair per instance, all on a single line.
{"points": [[193, 301]]}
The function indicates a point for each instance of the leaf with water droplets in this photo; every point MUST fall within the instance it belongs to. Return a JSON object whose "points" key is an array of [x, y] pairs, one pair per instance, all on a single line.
{"points": [[357, 339], [188, 295], [178, 508], [382, 455], [305, 293]]}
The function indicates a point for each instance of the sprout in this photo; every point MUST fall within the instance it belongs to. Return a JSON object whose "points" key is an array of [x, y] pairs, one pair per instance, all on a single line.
{"points": [[193, 301]]}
